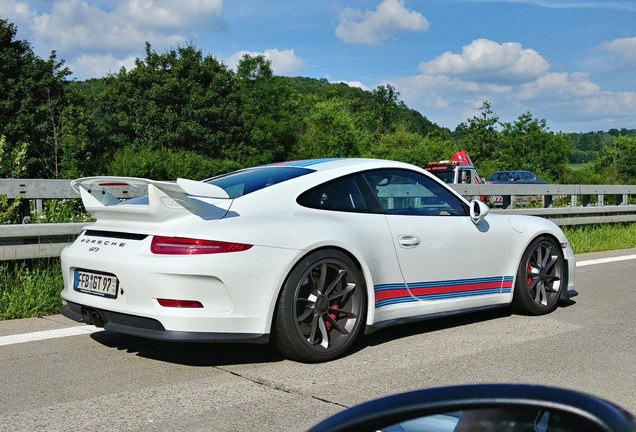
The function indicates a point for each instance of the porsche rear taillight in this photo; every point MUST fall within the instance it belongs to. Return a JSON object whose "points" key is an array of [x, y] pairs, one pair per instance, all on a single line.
{"points": [[175, 303], [187, 246]]}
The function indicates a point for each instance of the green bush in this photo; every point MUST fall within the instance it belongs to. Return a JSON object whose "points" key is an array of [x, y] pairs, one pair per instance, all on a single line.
{"points": [[166, 164], [30, 288]]}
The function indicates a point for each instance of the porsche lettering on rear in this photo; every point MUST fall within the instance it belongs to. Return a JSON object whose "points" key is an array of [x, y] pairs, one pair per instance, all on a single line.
{"points": [[102, 242]]}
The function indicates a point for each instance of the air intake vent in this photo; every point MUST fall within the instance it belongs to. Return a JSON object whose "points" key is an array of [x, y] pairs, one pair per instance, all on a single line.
{"points": [[115, 235]]}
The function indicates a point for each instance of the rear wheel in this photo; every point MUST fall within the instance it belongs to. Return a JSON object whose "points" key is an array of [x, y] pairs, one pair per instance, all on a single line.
{"points": [[321, 308], [539, 278]]}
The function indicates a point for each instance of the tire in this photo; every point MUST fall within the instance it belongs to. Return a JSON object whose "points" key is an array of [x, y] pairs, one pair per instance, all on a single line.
{"points": [[321, 308], [540, 278]]}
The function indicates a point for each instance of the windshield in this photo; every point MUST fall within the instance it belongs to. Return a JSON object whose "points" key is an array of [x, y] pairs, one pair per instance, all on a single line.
{"points": [[246, 181]]}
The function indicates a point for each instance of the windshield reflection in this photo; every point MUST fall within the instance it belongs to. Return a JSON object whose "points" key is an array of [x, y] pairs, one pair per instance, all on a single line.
{"points": [[500, 419]]}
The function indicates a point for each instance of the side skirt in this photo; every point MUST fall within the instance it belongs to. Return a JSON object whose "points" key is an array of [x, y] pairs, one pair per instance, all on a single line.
{"points": [[399, 321]]}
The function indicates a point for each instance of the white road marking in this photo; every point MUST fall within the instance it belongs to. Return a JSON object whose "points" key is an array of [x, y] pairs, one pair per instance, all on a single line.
{"points": [[87, 329], [605, 260], [47, 334]]}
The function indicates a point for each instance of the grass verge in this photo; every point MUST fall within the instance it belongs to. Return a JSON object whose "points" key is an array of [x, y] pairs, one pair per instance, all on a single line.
{"points": [[597, 238], [32, 288]]}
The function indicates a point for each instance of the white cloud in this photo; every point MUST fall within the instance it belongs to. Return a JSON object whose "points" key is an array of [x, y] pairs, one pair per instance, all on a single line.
{"points": [[379, 26], [20, 11], [560, 86], [284, 62], [485, 70], [112, 31], [621, 5], [487, 61], [77, 24], [622, 52], [619, 105], [172, 15], [101, 65], [452, 87]]}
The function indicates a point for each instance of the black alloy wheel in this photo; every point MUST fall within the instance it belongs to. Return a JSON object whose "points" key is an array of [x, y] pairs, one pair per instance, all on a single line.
{"points": [[322, 307], [540, 278]]}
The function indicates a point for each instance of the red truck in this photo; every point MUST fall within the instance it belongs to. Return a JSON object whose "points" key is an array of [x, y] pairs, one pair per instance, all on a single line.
{"points": [[459, 169]]}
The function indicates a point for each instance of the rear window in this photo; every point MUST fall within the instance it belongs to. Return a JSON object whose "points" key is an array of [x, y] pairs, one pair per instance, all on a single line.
{"points": [[445, 176], [246, 181]]}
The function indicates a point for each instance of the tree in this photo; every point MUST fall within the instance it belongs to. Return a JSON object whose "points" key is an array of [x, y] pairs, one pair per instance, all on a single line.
{"points": [[166, 164], [31, 102], [385, 106], [179, 99], [11, 166], [329, 131], [480, 136], [618, 160], [527, 144], [268, 110], [405, 146], [82, 129]]}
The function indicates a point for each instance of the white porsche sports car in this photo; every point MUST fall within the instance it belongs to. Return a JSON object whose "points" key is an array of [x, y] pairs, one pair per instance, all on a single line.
{"points": [[308, 254]]}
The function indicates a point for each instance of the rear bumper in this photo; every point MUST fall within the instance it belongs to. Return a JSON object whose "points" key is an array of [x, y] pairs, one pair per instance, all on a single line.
{"points": [[150, 328]]}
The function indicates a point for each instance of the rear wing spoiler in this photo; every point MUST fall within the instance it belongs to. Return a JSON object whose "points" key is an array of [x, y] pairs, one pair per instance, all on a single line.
{"points": [[125, 197]]}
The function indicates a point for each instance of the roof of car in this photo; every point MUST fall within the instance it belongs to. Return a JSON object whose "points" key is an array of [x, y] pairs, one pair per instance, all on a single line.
{"points": [[330, 163], [510, 171]]}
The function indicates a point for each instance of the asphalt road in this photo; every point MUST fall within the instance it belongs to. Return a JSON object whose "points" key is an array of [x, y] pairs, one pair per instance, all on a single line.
{"points": [[95, 380]]}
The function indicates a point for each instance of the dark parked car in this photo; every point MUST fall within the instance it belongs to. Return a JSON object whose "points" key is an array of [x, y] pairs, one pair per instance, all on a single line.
{"points": [[515, 177]]}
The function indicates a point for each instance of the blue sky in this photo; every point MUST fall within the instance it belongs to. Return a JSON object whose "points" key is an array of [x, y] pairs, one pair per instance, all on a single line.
{"points": [[570, 62]]}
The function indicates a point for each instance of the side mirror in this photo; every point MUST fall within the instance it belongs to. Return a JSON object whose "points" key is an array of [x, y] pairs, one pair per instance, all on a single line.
{"points": [[483, 407], [478, 211]]}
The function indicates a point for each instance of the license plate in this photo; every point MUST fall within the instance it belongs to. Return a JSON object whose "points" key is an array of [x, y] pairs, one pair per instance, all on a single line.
{"points": [[96, 283]]}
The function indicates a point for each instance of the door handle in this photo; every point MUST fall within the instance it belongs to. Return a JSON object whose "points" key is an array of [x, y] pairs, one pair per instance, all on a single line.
{"points": [[408, 241]]}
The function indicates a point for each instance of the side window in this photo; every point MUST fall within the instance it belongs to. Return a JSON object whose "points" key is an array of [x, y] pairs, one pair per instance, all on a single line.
{"points": [[410, 193], [465, 177], [343, 194]]}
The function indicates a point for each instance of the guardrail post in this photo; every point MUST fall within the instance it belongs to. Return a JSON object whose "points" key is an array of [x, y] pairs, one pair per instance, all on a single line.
{"points": [[618, 199], [25, 211], [547, 201], [38, 208], [586, 200]]}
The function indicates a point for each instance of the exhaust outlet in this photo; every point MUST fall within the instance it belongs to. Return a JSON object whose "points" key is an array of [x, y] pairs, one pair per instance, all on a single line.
{"points": [[96, 319], [86, 316]]}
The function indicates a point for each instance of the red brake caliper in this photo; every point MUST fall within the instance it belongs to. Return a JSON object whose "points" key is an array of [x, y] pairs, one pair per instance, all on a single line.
{"points": [[335, 305]]}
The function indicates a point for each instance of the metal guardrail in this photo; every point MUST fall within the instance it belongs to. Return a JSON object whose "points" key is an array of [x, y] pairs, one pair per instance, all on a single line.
{"points": [[28, 241], [37, 188], [580, 195], [46, 240], [586, 204]]}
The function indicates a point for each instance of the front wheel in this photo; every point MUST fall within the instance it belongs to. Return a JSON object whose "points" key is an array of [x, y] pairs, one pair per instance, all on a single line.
{"points": [[321, 308], [540, 278]]}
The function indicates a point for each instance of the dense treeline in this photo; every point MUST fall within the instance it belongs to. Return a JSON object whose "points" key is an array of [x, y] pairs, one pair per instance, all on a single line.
{"points": [[588, 147], [185, 114]]}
